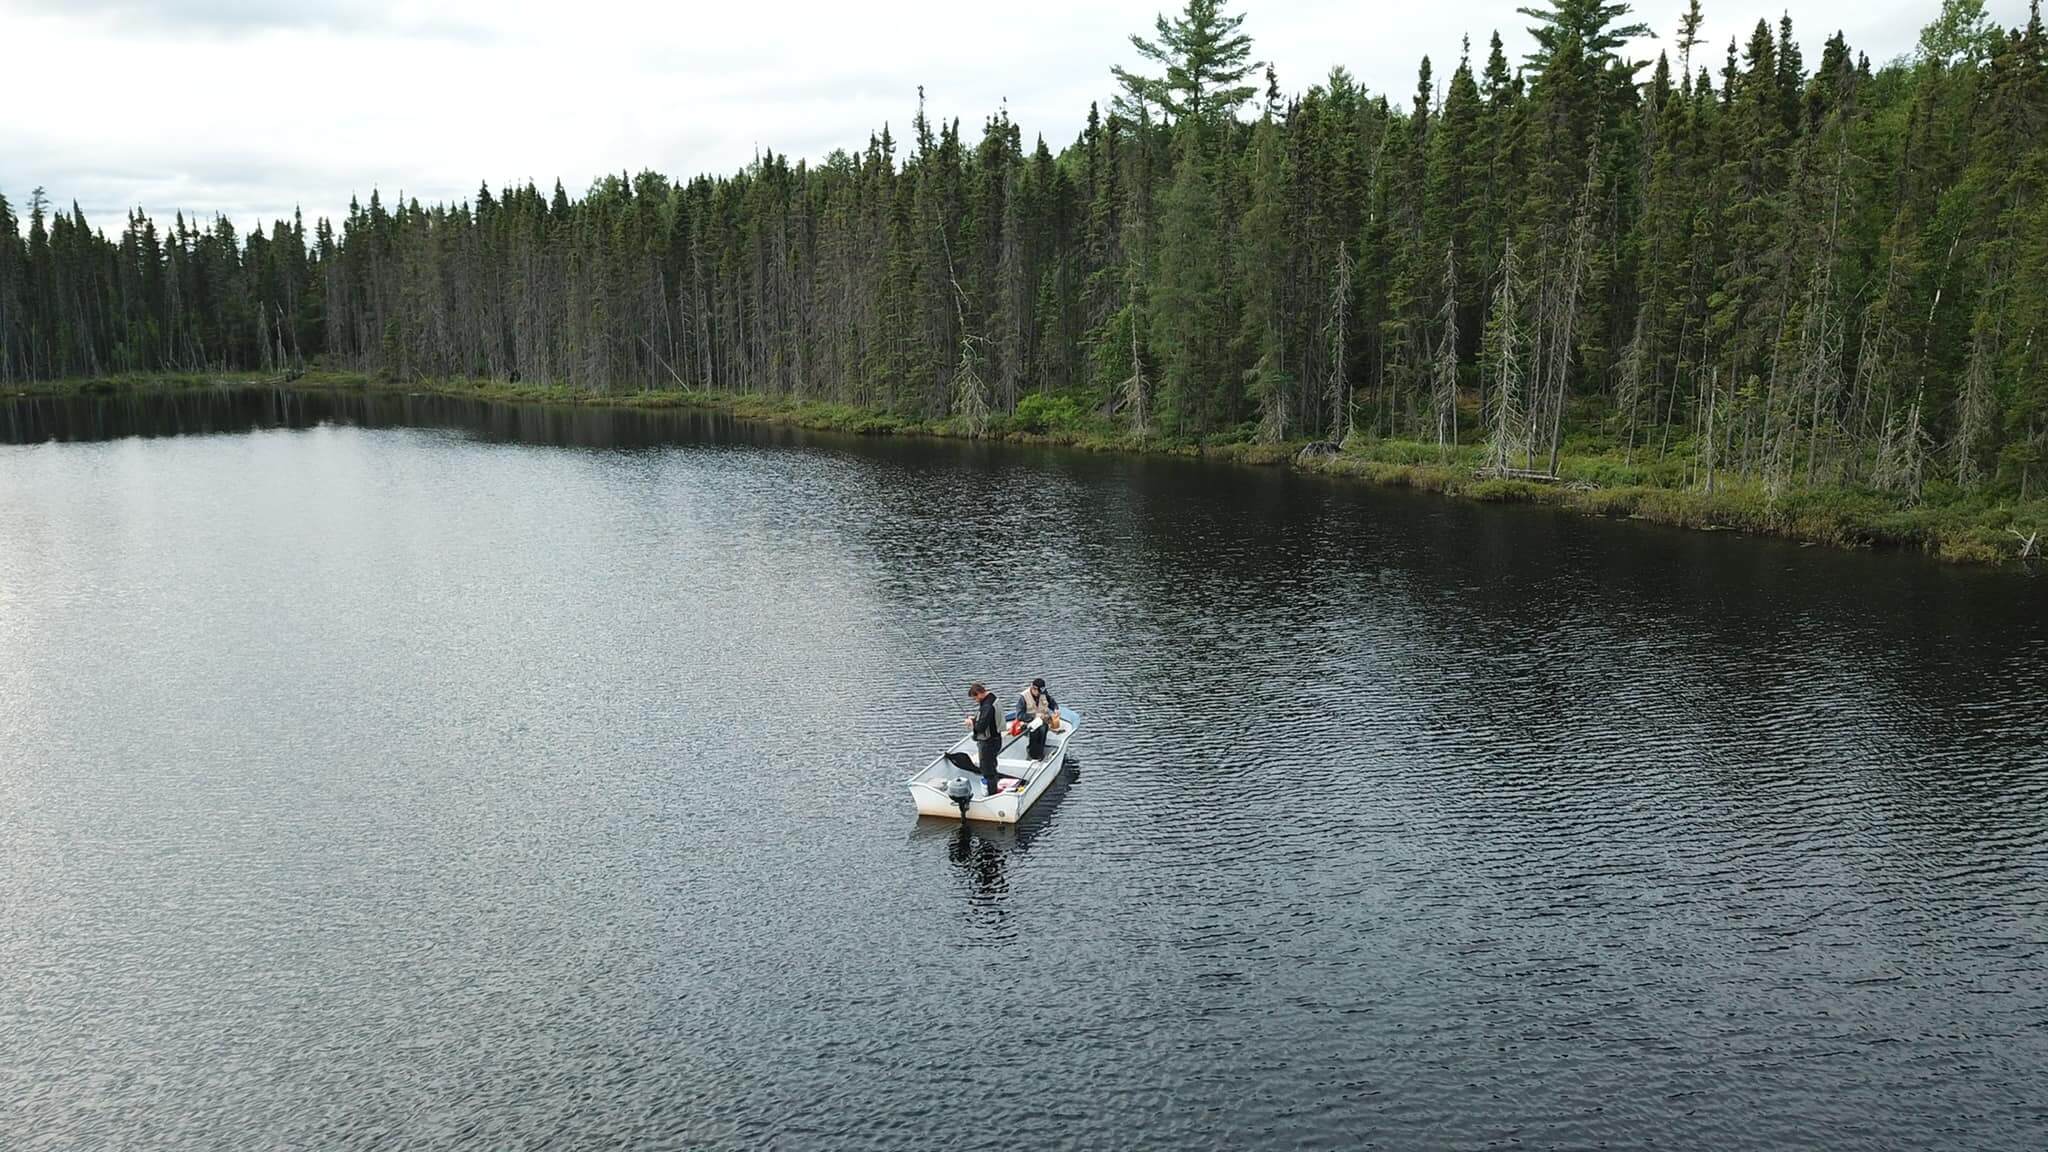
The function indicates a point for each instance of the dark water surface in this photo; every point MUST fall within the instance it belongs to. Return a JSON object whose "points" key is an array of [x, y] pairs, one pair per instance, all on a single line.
{"points": [[408, 773]]}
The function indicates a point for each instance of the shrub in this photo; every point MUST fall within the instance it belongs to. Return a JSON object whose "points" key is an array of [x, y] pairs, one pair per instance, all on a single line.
{"points": [[1498, 491], [1971, 550], [1042, 413], [1608, 501]]}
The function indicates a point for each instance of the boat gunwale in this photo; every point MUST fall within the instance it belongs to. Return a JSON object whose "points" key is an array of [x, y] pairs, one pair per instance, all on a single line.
{"points": [[1020, 798]]}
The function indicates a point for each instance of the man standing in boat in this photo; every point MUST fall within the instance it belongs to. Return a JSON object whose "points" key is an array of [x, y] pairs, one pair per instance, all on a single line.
{"points": [[988, 732]]}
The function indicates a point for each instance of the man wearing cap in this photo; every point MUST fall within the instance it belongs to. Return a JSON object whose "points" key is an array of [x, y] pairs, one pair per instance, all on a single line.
{"points": [[1037, 710]]}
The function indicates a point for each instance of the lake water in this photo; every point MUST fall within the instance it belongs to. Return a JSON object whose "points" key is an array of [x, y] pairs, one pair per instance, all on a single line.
{"points": [[402, 772]]}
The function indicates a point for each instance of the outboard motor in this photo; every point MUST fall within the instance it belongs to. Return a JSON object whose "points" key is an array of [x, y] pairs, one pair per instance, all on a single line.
{"points": [[960, 790]]}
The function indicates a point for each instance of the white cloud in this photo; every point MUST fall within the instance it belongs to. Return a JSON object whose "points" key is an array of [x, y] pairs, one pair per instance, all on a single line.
{"points": [[249, 108], [145, 18]]}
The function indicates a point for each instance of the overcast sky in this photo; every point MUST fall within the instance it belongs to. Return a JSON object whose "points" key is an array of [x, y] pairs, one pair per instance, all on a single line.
{"points": [[250, 107]]}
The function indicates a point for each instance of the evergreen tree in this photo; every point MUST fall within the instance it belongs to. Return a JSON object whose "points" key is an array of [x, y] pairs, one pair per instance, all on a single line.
{"points": [[1793, 274], [1187, 294], [1205, 57], [1590, 27]]}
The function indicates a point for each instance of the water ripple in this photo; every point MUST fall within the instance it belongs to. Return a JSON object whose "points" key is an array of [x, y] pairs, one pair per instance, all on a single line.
{"points": [[404, 773]]}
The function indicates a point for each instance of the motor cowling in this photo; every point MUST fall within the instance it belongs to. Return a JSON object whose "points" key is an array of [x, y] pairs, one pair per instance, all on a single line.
{"points": [[960, 790]]}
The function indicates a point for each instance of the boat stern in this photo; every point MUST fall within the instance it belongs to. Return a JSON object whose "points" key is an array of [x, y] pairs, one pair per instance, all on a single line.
{"points": [[932, 799]]}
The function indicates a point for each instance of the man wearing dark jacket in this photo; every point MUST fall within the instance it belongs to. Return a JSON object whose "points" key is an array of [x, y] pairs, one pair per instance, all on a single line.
{"points": [[988, 732]]}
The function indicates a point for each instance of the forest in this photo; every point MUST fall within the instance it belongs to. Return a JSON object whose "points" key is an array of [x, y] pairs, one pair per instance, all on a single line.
{"points": [[1723, 265]]}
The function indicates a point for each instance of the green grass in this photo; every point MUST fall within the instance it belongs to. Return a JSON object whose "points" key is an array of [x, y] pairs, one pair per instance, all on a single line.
{"points": [[1966, 528], [1597, 475]]}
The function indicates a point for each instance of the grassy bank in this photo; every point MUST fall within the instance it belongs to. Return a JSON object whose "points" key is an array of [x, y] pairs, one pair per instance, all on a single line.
{"points": [[1596, 476], [1957, 529]]}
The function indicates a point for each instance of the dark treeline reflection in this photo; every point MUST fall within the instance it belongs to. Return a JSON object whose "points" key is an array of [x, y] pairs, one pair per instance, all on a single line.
{"points": [[1254, 546], [174, 412]]}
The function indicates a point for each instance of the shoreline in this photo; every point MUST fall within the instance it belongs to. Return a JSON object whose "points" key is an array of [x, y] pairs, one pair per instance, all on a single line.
{"points": [[1961, 530]]}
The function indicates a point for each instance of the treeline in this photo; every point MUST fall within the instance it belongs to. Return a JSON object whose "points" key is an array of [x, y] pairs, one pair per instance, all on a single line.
{"points": [[1797, 274]]}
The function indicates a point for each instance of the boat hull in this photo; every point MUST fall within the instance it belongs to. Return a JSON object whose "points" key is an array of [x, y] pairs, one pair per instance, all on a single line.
{"points": [[928, 786]]}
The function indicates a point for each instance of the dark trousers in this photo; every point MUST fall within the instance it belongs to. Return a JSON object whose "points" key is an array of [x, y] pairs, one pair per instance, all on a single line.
{"points": [[989, 776], [1035, 746]]}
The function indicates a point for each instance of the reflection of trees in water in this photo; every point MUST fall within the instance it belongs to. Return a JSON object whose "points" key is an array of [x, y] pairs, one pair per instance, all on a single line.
{"points": [[1190, 598], [163, 412], [975, 576], [188, 411], [1132, 584], [1529, 645]]}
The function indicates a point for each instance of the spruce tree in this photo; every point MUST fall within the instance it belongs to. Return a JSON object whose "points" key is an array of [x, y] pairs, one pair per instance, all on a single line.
{"points": [[1204, 57]]}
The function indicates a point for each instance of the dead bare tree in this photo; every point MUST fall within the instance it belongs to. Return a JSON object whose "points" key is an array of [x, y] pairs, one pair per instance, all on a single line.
{"points": [[1781, 410], [1976, 406], [1877, 353], [1443, 391], [970, 385], [1628, 390], [1558, 318], [1902, 455], [1821, 337], [1134, 390], [1708, 451]]}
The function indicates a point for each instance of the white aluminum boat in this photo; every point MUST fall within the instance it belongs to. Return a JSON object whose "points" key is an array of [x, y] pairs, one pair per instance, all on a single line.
{"points": [[942, 789]]}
